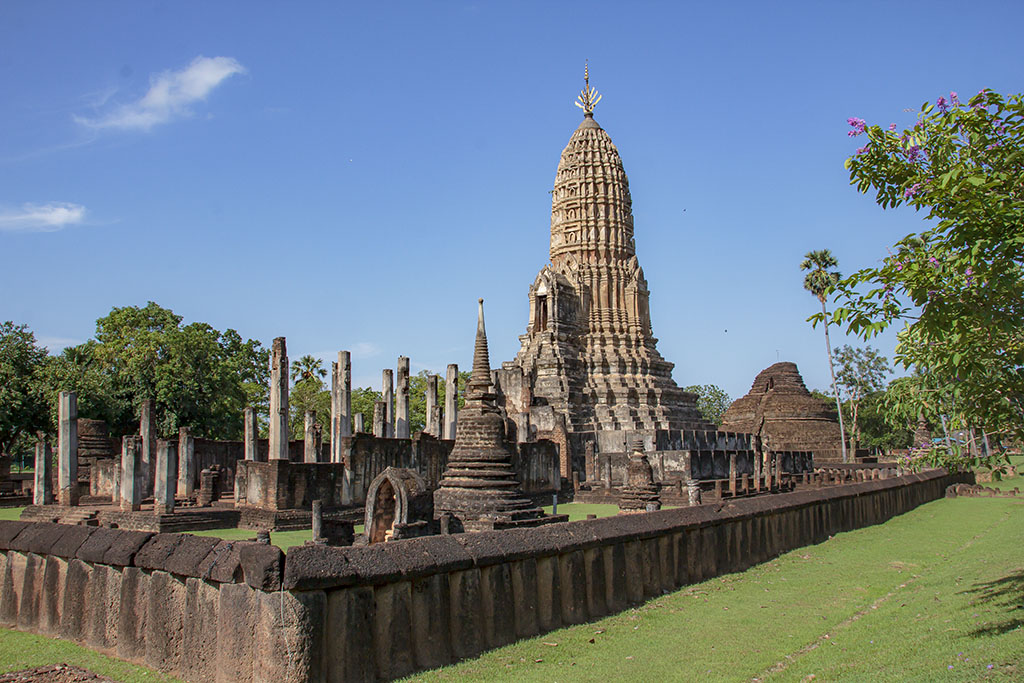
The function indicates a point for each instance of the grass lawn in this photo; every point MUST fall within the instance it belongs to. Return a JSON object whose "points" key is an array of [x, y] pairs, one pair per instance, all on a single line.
{"points": [[282, 539], [1012, 482], [26, 650], [10, 514], [935, 594], [577, 511]]}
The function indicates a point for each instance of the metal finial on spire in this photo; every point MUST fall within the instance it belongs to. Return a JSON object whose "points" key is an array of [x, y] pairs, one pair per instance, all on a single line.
{"points": [[588, 97]]}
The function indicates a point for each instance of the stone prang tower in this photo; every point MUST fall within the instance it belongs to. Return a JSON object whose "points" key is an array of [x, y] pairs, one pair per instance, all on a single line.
{"points": [[588, 368]]}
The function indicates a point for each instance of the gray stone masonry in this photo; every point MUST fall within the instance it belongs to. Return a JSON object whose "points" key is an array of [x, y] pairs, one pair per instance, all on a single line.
{"points": [[309, 449], [387, 391], [379, 410], [451, 401], [278, 431], [432, 427], [402, 400], [251, 436], [318, 520], [147, 446], [67, 448], [358, 426], [166, 474], [186, 463], [42, 494], [344, 395], [131, 493], [341, 403]]}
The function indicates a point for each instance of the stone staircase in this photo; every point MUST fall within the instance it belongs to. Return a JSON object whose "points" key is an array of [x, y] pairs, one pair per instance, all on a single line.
{"points": [[60, 515]]}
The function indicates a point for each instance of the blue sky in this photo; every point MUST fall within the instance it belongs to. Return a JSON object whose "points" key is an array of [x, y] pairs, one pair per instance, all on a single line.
{"points": [[354, 177]]}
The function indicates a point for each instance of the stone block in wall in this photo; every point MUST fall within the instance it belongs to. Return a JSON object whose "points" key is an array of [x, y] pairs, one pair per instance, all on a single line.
{"points": [[74, 611], [37, 538], [125, 547], [289, 636], [616, 586], [572, 580], [131, 619], [262, 566], [198, 656], [52, 596], [633, 555], [392, 630], [497, 602], [549, 593], [9, 530], [650, 563], [189, 553], [31, 587], [431, 634], [165, 615], [237, 608], [466, 617], [156, 551], [349, 634], [667, 568], [71, 539], [596, 575], [525, 602], [95, 628]]}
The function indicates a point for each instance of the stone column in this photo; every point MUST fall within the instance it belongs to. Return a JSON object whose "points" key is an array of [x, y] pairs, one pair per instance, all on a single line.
{"points": [[318, 520], [147, 445], [251, 436], [166, 472], [732, 474], [42, 493], [335, 415], [186, 463], [309, 450], [67, 448], [451, 400], [379, 410], [131, 494], [402, 429], [345, 394], [589, 462], [387, 391], [278, 431], [757, 471], [358, 426], [432, 427], [608, 473], [115, 487]]}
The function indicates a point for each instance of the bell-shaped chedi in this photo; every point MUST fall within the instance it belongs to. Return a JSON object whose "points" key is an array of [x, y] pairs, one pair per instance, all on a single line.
{"points": [[589, 353], [785, 415], [479, 487]]}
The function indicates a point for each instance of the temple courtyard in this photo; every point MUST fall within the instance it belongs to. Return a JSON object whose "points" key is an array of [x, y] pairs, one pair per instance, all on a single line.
{"points": [[934, 594]]}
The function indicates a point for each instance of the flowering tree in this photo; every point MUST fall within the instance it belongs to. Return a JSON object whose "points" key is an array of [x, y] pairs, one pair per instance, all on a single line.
{"points": [[956, 287]]}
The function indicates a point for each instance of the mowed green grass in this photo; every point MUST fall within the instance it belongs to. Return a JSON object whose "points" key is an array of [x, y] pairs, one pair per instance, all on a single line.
{"points": [[26, 651], [11, 513], [935, 594], [578, 511]]}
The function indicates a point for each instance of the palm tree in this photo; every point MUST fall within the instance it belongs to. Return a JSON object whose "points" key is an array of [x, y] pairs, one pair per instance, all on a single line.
{"points": [[307, 367], [819, 281]]}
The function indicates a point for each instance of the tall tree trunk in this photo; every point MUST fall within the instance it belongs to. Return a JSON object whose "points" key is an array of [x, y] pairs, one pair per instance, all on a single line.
{"points": [[835, 387]]}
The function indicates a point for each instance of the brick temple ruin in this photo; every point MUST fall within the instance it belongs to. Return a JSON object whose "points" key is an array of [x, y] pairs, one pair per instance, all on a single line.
{"points": [[785, 416]]}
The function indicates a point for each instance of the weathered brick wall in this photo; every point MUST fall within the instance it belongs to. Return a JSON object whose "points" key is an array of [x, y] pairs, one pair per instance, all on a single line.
{"points": [[204, 609]]}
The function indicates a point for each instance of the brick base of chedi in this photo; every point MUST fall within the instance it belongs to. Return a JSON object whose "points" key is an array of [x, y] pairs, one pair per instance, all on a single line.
{"points": [[785, 415], [479, 488]]}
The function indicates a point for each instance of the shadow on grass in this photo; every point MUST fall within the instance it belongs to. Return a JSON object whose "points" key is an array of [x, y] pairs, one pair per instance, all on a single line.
{"points": [[1006, 592]]}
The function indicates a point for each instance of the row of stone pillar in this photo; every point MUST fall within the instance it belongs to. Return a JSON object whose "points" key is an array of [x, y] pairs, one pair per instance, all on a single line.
{"points": [[390, 415]]}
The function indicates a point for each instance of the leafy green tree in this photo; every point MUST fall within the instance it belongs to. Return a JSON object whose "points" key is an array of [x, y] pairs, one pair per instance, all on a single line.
{"points": [[23, 409], [309, 394], [861, 372], [820, 280], [418, 396], [363, 399], [957, 287], [308, 368], [877, 429], [78, 369], [712, 401]]}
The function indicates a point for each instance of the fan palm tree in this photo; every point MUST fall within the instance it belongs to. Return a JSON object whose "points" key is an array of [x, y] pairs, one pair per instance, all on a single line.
{"points": [[307, 367], [819, 281]]}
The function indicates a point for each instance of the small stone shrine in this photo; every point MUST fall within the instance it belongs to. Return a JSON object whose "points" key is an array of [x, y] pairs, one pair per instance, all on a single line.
{"points": [[779, 409], [479, 488], [398, 505], [640, 494]]}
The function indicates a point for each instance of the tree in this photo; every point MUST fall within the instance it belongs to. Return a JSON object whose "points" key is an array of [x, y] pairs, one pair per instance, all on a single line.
{"points": [[819, 281], [308, 367], [861, 372], [309, 394], [878, 430], [956, 287], [23, 409], [78, 369], [712, 401], [363, 399]]}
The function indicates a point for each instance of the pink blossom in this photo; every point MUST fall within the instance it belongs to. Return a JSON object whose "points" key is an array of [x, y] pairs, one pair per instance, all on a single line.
{"points": [[942, 104], [857, 125], [910, 192], [892, 127]]}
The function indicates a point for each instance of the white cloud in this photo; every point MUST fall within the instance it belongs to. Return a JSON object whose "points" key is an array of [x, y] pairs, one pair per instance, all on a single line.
{"points": [[41, 217], [365, 350], [170, 94]]}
